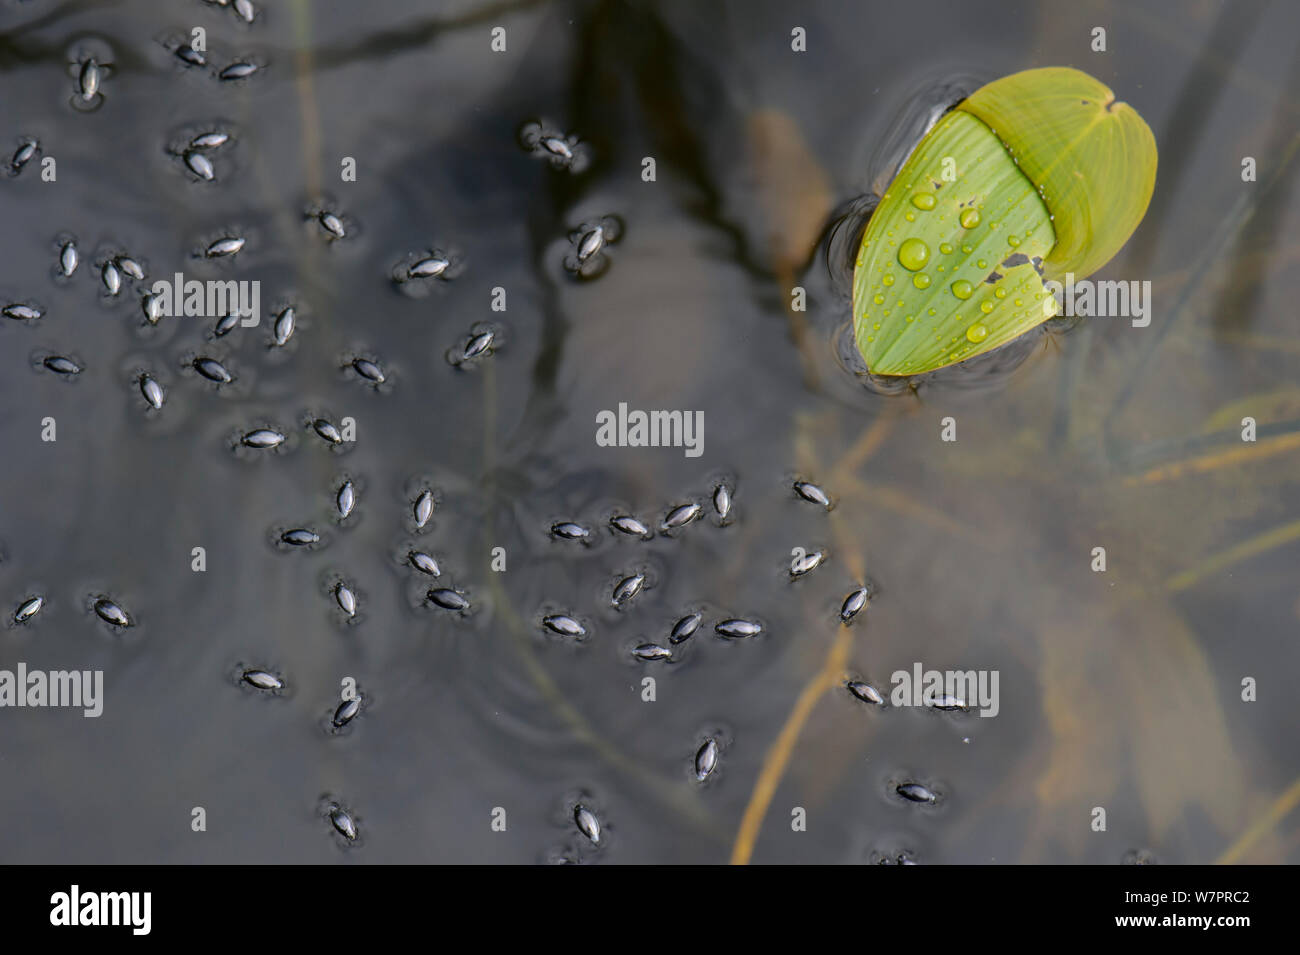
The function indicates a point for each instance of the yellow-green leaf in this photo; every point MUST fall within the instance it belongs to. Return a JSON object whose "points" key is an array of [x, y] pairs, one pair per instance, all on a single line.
{"points": [[1034, 176], [1093, 159], [982, 226]]}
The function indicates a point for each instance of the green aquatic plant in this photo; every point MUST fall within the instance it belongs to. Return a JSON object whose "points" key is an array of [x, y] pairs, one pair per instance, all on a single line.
{"points": [[1033, 177]]}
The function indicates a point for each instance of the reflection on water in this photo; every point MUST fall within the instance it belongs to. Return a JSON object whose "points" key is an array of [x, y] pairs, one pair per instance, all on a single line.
{"points": [[474, 633]]}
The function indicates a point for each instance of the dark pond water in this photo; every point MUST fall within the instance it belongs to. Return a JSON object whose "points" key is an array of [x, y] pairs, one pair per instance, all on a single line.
{"points": [[1120, 689]]}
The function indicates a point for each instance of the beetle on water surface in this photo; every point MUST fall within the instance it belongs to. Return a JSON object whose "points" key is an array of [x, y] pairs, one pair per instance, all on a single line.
{"points": [[1032, 177]]}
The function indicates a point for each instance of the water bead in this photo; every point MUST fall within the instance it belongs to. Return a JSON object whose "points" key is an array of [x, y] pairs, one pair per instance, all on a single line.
{"points": [[888, 279], [913, 254], [969, 218], [986, 306], [1012, 241], [924, 200], [1000, 292], [962, 289], [976, 334], [921, 280], [946, 249]]}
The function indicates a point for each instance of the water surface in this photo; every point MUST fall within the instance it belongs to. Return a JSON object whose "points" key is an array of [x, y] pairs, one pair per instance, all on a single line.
{"points": [[1119, 689]]}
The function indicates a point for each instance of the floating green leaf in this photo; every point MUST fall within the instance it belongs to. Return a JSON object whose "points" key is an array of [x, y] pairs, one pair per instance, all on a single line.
{"points": [[1092, 159], [1037, 174]]}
